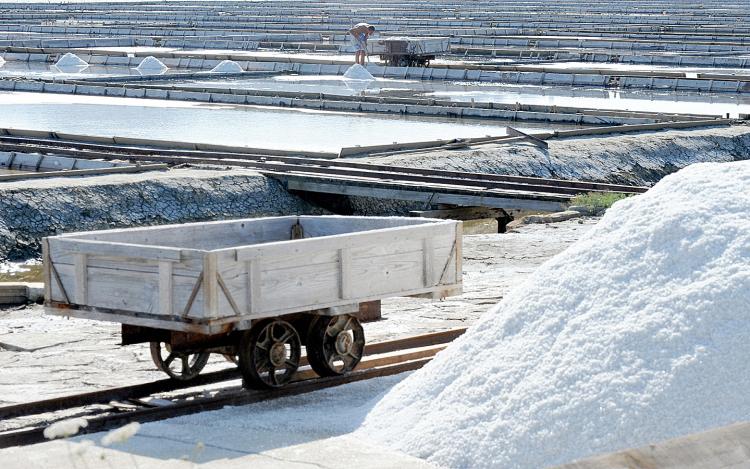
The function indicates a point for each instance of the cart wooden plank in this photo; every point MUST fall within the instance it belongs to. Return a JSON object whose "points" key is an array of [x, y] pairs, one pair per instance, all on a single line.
{"points": [[218, 276]]}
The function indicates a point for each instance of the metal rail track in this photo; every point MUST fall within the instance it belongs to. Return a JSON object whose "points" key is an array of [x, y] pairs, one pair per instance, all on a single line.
{"points": [[297, 167], [381, 359]]}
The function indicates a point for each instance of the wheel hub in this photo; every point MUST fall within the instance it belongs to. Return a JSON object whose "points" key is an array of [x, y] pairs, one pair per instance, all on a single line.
{"points": [[278, 354], [344, 342]]}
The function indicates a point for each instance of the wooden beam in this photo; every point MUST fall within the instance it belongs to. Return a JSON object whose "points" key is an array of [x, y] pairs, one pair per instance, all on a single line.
{"points": [[166, 288], [420, 195], [536, 141], [460, 213]]}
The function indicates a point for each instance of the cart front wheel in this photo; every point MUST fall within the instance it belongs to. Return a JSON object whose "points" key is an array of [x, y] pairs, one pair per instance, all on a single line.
{"points": [[181, 366], [269, 354], [335, 344]]}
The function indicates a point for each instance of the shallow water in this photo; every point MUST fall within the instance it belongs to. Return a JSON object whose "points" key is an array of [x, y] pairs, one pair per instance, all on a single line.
{"points": [[231, 125], [593, 98], [45, 70]]}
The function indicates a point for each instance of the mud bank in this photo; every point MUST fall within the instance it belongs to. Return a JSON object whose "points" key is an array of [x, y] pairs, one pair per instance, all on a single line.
{"points": [[30, 210], [637, 159]]}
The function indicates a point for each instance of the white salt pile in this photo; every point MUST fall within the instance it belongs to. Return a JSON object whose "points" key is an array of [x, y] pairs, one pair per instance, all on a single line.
{"points": [[70, 60], [358, 72], [152, 65], [227, 66], [635, 334]]}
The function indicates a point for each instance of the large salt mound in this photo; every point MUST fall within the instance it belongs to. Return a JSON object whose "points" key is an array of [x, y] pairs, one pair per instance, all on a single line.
{"points": [[227, 66], [637, 333], [151, 64], [358, 72], [70, 60]]}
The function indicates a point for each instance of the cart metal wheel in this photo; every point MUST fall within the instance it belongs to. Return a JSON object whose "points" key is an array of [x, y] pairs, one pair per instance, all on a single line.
{"points": [[178, 365], [335, 344], [269, 354]]}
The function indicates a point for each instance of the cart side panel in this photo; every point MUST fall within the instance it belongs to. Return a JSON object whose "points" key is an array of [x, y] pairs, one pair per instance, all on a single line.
{"points": [[343, 269], [137, 284], [204, 235]]}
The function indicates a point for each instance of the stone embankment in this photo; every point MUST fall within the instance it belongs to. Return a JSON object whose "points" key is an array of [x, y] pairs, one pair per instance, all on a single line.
{"points": [[30, 210], [636, 159]]}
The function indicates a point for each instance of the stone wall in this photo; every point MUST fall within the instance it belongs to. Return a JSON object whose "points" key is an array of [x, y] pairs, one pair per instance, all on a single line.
{"points": [[30, 210]]}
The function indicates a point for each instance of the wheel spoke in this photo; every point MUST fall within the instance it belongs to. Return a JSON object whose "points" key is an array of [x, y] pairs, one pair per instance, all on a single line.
{"points": [[272, 375], [264, 365], [185, 365], [287, 335], [170, 359], [348, 360]]}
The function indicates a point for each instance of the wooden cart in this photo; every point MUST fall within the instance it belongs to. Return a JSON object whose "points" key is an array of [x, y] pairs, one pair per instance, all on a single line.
{"points": [[255, 290]]}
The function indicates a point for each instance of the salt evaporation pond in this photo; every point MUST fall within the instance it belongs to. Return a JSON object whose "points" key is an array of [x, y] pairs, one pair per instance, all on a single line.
{"points": [[464, 92], [709, 104], [231, 125], [635, 334], [44, 70]]}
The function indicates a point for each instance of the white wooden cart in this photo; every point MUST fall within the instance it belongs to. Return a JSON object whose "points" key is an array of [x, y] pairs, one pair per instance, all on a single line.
{"points": [[255, 290]]}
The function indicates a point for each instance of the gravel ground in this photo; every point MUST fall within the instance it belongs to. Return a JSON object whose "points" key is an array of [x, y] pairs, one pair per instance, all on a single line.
{"points": [[45, 356]]}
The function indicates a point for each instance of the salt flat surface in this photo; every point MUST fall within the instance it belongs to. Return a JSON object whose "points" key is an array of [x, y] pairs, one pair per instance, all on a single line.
{"points": [[636, 333], [298, 432], [230, 125]]}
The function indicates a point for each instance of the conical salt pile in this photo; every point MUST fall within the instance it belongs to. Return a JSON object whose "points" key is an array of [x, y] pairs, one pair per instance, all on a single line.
{"points": [[227, 66], [152, 65], [635, 334], [70, 60]]}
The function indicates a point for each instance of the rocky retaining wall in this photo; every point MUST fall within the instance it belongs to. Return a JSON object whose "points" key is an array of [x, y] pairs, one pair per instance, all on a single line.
{"points": [[30, 210], [635, 159]]}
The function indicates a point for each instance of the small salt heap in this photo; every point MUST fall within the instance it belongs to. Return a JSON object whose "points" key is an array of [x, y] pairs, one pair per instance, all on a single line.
{"points": [[151, 66], [227, 66], [70, 60], [71, 63], [635, 334], [358, 72]]}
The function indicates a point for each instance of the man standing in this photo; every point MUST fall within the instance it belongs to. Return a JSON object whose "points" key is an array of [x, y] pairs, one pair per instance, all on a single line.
{"points": [[360, 32]]}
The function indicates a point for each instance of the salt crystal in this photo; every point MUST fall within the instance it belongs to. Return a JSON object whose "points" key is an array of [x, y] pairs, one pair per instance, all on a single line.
{"points": [[70, 60], [151, 64], [64, 428], [635, 334], [227, 66], [358, 72], [122, 434]]}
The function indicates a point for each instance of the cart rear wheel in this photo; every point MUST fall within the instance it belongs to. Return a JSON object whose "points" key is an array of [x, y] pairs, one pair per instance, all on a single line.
{"points": [[335, 344], [181, 366], [269, 354]]}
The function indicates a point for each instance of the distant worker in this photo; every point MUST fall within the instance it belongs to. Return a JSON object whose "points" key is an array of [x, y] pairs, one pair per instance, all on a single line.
{"points": [[360, 32]]}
